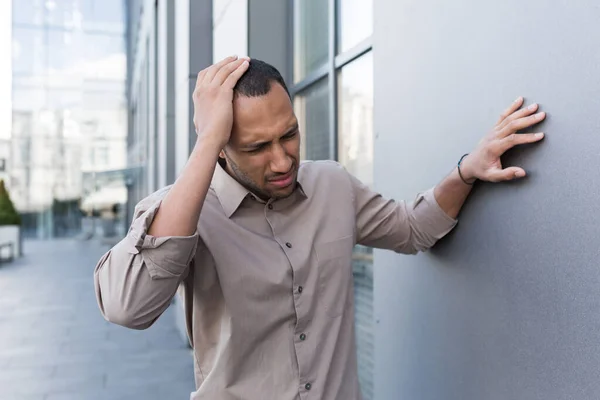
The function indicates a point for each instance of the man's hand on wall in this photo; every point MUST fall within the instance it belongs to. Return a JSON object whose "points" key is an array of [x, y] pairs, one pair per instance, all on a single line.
{"points": [[484, 162]]}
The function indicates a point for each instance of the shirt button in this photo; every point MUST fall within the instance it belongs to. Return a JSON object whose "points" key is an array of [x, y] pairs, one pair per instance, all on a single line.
{"points": [[307, 386], [300, 289], [302, 336], [270, 206], [289, 245]]}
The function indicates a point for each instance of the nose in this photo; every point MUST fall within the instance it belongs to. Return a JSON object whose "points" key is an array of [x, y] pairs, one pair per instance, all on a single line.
{"points": [[281, 162]]}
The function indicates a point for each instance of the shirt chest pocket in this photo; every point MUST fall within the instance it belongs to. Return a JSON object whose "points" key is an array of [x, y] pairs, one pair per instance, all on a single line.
{"points": [[334, 261]]}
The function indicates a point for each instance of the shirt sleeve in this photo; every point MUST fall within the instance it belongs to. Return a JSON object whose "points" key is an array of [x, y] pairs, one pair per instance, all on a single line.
{"points": [[136, 279], [396, 225]]}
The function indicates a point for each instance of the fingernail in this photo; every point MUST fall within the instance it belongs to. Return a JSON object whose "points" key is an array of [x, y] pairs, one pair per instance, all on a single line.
{"points": [[532, 107], [540, 115], [519, 174], [539, 135], [518, 99]]}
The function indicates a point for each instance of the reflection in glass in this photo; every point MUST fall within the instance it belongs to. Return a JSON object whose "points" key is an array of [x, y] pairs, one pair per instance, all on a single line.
{"points": [[311, 30], [69, 111], [312, 111], [28, 12], [28, 52], [355, 102], [356, 22], [355, 152], [104, 15], [65, 49]]}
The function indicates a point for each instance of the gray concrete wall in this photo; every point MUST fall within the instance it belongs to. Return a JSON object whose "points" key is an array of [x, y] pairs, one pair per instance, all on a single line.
{"points": [[193, 53], [507, 306], [269, 34], [166, 93]]}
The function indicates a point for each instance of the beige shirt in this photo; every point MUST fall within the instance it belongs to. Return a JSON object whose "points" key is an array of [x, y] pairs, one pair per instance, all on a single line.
{"points": [[267, 286]]}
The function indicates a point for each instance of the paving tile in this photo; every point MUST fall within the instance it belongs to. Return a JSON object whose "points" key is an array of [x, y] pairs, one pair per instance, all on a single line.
{"points": [[55, 344], [25, 374]]}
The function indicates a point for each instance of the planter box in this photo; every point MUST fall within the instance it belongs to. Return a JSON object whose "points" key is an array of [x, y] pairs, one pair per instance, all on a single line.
{"points": [[10, 234]]}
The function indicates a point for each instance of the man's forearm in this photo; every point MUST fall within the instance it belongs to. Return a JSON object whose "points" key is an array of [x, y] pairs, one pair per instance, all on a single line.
{"points": [[180, 210], [451, 193]]}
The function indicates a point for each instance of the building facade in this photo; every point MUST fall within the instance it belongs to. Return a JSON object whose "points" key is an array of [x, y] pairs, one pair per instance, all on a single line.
{"points": [[69, 119], [397, 92]]}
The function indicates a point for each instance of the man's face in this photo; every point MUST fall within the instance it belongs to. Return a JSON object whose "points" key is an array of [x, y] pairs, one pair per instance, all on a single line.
{"points": [[263, 152]]}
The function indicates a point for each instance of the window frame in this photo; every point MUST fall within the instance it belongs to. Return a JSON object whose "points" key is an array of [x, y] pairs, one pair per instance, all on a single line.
{"points": [[330, 69]]}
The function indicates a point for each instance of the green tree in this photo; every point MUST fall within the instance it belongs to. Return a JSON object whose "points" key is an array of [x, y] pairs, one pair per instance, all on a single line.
{"points": [[8, 214]]}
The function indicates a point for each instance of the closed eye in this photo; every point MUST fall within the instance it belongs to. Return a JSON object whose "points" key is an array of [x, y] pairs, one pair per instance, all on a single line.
{"points": [[257, 149], [290, 135]]}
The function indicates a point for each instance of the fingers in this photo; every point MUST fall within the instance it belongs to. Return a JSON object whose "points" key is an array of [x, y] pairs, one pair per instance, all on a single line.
{"points": [[523, 112], [210, 72], [226, 71], [516, 139], [506, 174], [511, 109], [522, 123], [233, 78]]}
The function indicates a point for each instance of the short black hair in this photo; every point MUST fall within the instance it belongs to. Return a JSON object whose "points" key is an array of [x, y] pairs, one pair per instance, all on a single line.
{"points": [[257, 80]]}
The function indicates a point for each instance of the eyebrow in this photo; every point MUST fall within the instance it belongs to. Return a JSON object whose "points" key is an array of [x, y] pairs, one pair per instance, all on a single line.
{"points": [[261, 144]]}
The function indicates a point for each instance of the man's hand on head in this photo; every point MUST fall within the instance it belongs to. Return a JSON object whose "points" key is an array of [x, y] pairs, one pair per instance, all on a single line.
{"points": [[213, 98]]}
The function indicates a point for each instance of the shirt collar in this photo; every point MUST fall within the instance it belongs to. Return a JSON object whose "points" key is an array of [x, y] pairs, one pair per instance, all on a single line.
{"points": [[231, 193]]}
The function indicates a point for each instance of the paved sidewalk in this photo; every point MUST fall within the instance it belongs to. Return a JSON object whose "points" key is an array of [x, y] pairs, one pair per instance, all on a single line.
{"points": [[55, 345]]}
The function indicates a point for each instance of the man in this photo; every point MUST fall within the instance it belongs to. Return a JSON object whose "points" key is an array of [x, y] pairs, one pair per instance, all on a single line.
{"points": [[261, 243]]}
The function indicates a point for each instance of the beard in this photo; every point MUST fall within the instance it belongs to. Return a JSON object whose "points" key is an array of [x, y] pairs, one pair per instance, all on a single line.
{"points": [[245, 180]]}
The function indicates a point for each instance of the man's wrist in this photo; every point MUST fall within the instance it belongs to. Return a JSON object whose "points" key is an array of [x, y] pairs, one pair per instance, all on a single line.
{"points": [[466, 170], [210, 143]]}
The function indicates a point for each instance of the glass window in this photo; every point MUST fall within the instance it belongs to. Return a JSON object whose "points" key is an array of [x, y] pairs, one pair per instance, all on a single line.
{"points": [[28, 99], [28, 52], [355, 118], [63, 13], [103, 47], [311, 30], [58, 99], [312, 110], [355, 152], [355, 22], [29, 12], [104, 15], [69, 66], [64, 50]]}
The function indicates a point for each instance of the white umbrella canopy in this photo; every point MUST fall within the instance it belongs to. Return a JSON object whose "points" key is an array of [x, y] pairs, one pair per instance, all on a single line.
{"points": [[104, 199]]}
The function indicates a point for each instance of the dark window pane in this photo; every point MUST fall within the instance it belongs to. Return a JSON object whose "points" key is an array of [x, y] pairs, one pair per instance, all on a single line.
{"points": [[312, 110], [311, 30]]}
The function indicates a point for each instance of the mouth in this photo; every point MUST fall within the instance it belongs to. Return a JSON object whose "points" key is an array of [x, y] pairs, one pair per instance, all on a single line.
{"points": [[283, 181]]}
